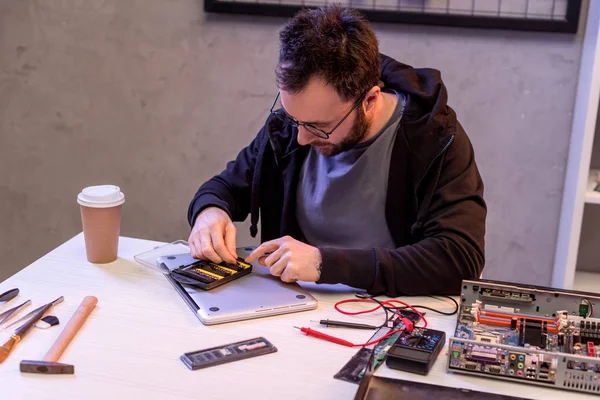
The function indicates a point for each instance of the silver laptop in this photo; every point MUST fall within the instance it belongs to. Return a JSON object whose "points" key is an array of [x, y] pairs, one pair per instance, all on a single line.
{"points": [[256, 295]]}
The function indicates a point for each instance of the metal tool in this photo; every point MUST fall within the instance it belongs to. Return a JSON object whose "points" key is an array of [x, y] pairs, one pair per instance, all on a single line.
{"points": [[20, 333], [9, 295], [26, 317], [8, 314], [320, 335], [344, 324], [49, 364]]}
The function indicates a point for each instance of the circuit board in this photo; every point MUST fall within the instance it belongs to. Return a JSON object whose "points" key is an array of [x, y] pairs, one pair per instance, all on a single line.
{"points": [[528, 334], [381, 349], [355, 369]]}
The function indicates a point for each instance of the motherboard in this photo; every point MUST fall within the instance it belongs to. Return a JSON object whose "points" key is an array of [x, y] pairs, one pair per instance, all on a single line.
{"points": [[528, 334]]}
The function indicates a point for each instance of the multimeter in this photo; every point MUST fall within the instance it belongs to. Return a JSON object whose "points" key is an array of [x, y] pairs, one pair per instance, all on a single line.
{"points": [[416, 351]]}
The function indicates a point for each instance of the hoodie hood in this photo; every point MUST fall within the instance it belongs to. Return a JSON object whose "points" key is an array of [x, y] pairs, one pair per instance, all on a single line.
{"points": [[428, 121]]}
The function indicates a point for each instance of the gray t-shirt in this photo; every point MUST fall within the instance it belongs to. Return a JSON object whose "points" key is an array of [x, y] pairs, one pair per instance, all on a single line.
{"points": [[341, 199]]}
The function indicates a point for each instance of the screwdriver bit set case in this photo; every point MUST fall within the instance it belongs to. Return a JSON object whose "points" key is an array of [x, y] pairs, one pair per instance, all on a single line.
{"points": [[176, 260]]}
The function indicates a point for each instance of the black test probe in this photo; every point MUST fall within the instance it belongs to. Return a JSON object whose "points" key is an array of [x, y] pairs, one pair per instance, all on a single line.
{"points": [[342, 324]]}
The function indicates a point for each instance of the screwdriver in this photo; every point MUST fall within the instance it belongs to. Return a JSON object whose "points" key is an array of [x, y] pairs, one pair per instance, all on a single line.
{"points": [[343, 324]]}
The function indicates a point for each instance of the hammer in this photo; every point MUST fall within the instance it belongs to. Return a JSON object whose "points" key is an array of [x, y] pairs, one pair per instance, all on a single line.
{"points": [[49, 364]]}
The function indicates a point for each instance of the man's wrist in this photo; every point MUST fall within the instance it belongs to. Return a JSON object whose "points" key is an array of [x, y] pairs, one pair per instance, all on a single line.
{"points": [[319, 264]]}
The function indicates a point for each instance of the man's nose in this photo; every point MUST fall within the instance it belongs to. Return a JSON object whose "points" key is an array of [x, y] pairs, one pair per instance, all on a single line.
{"points": [[304, 136]]}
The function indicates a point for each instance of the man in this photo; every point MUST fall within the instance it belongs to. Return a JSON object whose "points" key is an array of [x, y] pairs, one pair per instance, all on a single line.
{"points": [[362, 175]]}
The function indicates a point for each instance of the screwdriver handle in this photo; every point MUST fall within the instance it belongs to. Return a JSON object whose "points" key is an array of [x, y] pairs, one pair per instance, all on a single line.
{"points": [[320, 335], [353, 325]]}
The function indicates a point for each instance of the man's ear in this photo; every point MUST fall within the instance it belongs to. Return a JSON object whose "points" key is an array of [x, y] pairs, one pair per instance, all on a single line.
{"points": [[371, 98]]}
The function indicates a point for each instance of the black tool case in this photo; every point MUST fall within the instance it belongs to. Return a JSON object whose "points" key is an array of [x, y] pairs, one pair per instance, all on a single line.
{"points": [[209, 275]]}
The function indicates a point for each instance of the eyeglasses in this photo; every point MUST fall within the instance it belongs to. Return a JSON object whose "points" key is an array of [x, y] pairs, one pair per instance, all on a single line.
{"points": [[287, 119]]}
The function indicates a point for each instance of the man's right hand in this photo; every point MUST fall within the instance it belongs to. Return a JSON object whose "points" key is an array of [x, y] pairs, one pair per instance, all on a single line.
{"points": [[213, 236]]}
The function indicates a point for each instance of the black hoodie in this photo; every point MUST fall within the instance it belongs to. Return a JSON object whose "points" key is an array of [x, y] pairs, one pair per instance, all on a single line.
{"points": [[434, 210]]}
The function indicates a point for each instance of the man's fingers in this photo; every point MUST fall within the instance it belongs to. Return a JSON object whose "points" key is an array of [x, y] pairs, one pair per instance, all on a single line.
{"points": [[194, 244], [266, 247], [207, 248], [192, 247], [273, 257], [278, 268], [196, 248], [289, 275], [191, 244], [230, 241], [218, 243]]}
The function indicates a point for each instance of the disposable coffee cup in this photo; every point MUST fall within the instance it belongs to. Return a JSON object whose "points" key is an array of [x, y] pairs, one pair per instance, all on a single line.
{"points": [[101, 208]]}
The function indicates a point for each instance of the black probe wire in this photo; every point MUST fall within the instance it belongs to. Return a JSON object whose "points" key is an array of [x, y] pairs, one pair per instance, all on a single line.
{"points": [[385, 308], [396, 309], [446, 313], [435, 310]]}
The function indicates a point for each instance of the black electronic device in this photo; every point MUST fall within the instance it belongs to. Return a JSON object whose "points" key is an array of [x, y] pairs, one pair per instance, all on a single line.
{"points": [[354, 369], [416, 351], [382, 388], [227, 353], [208, 275]]}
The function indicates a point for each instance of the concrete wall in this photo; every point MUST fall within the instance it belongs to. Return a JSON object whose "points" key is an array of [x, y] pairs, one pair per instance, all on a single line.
{"points": [[155, 96]]}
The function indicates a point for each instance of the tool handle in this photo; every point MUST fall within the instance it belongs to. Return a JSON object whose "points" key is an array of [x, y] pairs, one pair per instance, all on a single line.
{"points": [[74, 324], [344, 324], [26, 327], [320, 335], [9, 295]]}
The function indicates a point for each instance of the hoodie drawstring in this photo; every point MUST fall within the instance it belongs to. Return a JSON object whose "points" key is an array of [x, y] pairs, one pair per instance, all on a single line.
{"points": [[255, 189], [255, 193]]}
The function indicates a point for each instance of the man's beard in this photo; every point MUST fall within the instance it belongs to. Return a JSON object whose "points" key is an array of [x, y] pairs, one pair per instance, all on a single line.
{"points": [[357, 133]]}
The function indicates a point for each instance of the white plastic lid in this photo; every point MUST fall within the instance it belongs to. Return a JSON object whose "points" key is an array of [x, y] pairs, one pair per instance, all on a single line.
{"points": [[103, 196]]}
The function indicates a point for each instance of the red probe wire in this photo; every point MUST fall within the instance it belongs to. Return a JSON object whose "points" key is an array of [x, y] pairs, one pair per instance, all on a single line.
{"points": [[408, 325], [321, 335]]}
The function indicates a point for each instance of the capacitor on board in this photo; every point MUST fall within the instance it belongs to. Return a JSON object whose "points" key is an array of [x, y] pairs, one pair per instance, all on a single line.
{"points": [[560, 339], [522, 332], [513, 323], [544, 341]]}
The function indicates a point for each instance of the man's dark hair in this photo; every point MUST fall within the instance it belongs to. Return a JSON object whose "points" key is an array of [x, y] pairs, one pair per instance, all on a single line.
{"points": [[332, 42]]}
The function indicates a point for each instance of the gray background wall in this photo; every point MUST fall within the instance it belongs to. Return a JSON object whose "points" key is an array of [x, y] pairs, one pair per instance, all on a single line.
{"points": [[155, 96]]}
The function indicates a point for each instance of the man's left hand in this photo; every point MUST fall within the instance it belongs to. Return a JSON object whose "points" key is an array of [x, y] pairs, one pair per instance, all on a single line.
{"points": [[290, 259]]}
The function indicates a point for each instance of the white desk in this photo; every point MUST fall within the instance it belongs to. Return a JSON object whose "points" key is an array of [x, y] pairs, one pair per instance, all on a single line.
{"points": [[130, 346]]}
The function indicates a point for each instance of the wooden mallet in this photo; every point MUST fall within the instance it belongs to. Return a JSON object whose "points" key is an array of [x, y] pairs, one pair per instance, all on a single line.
{"points": [[49, 364]]}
